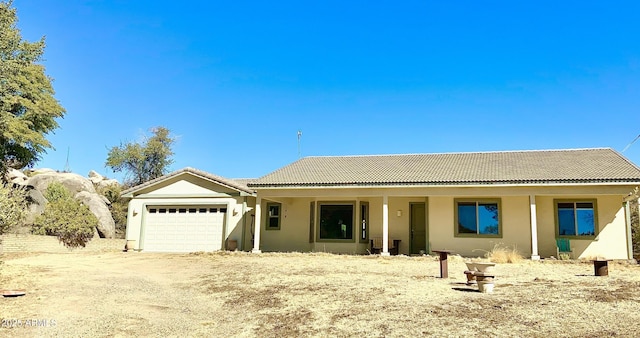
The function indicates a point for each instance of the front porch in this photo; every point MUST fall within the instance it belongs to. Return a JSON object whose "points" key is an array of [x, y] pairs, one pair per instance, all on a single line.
{"points": [[345, 222]]}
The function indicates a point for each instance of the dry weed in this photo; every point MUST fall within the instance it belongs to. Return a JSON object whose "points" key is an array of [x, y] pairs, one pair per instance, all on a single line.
{"points": [[504, 254]]}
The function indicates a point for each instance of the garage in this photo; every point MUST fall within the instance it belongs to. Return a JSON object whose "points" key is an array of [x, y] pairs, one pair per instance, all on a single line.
{"points": [[189, 210], [184, 228]]}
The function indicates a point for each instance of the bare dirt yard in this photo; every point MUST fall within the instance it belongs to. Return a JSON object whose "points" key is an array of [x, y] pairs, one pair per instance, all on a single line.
{"points": [[286, 295]]}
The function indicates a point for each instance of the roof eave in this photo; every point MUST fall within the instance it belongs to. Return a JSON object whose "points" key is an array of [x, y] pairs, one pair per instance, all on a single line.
{"points": [[347, 185], [130, 193]]}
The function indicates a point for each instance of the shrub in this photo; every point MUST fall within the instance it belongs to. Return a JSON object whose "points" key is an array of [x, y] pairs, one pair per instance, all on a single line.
{"points": [[119, 206], [12, 208], [64, 217], [563, 256], [56, 192], [635, 226], [504, 254]]}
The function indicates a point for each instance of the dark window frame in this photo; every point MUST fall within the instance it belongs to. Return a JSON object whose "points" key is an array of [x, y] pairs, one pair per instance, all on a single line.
{"points": [[349, 228], [575, 202], [477, 202], [269, 217]]}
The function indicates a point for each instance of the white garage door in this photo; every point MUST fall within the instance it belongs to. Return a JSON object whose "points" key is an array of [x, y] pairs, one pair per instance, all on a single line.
{"points": [[183, 228]]}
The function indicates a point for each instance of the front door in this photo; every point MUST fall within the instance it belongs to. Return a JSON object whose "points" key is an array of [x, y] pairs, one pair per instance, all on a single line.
{"points": [[418, 231]]}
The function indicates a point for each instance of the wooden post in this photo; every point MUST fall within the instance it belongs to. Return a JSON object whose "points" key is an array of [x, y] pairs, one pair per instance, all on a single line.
{"points": [[444, 262], [601, 267]]}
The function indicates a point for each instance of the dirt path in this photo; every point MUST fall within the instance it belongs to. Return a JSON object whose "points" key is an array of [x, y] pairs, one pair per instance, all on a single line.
{"points": [[110, 294]]}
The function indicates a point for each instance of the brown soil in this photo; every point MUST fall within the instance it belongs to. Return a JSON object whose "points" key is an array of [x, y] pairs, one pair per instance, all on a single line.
{"points": [[285, 295]]}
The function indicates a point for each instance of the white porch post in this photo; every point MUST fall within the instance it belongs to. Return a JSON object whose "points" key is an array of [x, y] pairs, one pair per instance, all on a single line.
{"points": [[385, 226], [534, 228], [256, 238]]}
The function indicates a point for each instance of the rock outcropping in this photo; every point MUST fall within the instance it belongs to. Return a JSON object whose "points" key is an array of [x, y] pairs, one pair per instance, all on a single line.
{"points": [[80, 187], [100, 180]]}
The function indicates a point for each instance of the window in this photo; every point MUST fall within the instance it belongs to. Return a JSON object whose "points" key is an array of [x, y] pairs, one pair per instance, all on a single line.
{"points": [[576, 218], [273, 216], [364, 222], [336, 221], [477, 217]]}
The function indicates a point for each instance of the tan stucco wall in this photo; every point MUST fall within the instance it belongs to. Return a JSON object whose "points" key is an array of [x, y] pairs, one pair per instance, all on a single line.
{"points": [[294, 227], [184, 184], [515, 218], [516, 229], [610, 241]]}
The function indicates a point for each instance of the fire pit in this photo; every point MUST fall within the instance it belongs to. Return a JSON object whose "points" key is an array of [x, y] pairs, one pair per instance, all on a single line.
{"points": [[13, 293]]}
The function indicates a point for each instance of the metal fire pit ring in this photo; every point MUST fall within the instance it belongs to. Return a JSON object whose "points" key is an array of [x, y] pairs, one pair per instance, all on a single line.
{"points": [[13, 293]]}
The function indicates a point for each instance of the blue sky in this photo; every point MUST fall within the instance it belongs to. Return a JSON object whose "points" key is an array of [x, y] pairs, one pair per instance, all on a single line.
{"points": [[236, 80]]}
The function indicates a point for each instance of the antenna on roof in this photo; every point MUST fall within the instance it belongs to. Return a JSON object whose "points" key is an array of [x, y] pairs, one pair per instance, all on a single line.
{"points": [[67, 169], [632, 142], [299, 137]]}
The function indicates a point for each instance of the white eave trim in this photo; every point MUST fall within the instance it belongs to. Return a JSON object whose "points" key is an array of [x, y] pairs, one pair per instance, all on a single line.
{"points": [[211, 195], [404, 186]]}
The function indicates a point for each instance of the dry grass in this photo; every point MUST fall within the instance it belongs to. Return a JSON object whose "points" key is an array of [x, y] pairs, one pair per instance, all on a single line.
{"points": [[502, 254], [314, 295]]}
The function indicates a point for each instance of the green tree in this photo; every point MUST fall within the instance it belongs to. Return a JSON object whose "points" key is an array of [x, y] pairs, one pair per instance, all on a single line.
{"points": [[64, 217], [28, 109], [144, 161], [12, 208]]}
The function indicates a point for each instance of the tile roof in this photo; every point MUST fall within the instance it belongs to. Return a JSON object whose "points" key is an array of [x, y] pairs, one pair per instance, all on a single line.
{"points": [[598, 165], [243, 181], [239, 185]]}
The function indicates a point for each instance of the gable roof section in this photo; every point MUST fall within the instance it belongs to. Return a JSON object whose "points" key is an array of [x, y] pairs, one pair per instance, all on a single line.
{"points": [[225, 182], [599, 165]]}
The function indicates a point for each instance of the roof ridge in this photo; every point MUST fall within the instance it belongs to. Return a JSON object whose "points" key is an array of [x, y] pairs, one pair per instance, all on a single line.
{"points": [[464, 152], [551, 165]]}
